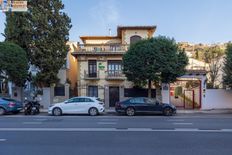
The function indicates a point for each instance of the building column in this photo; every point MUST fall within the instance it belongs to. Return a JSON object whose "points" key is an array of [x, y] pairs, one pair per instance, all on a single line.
{"points": [[121, 93], [66, 90], [165, 93], [107, 100], [47, 97], [203, 91], [18, 94]]}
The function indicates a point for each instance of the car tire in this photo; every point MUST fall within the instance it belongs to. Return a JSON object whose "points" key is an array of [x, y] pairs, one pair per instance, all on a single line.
{"points": [[56, 112], [93, 111], [168, 112], [2, 111], [16, 112], [130, 111]]}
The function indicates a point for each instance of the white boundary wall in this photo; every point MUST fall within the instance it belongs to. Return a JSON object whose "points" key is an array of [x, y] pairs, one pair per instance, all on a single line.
{"points": [[217, 99]]}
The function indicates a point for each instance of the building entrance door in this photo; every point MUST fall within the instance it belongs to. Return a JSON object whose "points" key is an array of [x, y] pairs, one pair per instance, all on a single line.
{"points": [[189, 99], [113, 95]]}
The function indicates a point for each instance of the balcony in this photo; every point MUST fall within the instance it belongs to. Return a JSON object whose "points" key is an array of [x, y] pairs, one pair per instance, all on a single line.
{"points": [[115, 75], [101, 49], [196, 70], [91, 76]]}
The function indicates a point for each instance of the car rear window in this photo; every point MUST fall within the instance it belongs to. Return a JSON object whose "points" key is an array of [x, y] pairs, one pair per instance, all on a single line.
{"points": [[98, 99], [8, 99]]}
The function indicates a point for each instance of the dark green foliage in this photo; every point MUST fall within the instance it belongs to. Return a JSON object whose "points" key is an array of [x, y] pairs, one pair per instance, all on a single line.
{"points": [[17, 29], [13, 63], [44, 30], [172, 60], [157, 59], [227, 78]]}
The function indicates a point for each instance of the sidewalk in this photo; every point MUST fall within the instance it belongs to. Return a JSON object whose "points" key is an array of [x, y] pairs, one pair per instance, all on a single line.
{"points": [[209, 111]]}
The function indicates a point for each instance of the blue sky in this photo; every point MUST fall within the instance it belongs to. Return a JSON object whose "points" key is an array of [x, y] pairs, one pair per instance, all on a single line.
{"points": [[195, 21]]}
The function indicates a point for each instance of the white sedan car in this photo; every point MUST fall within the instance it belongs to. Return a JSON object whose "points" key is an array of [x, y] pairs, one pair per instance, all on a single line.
{"points": [[78, 105]]}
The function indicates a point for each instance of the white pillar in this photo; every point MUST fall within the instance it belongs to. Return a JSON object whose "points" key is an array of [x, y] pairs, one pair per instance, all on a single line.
{"points": [[203, 92], [165, 93], [10, 89]]}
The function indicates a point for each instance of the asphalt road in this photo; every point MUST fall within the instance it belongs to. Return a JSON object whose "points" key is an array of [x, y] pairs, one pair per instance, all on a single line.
{"points": [[186, 134]]}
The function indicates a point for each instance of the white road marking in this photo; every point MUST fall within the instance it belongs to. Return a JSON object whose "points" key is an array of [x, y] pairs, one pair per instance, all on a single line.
{"points": [[183, 123], [175, 120], [32, 123], [115, 130], [41, 119], [2, 140], [187, 129], [108, 119], [106, 123], [228, 130]]}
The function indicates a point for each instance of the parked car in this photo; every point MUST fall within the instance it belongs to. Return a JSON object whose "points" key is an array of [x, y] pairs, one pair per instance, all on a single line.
{"points": [[143, 104], [78, 105], [8, 105]]}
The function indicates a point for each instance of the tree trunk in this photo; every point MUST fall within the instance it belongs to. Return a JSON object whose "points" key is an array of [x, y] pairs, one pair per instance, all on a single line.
{"points": [[149, 88]]}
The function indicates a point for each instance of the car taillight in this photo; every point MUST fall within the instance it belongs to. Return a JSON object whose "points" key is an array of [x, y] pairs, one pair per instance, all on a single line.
{"points": [[11, 104], [101, 103]]}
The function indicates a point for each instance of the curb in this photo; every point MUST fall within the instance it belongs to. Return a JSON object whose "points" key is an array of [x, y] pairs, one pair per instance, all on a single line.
{"points": [[178, 111]]}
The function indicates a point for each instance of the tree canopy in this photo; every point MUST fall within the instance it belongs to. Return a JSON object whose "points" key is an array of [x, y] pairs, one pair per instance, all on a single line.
{"points": [[227, 78], [154, 60], [13, 63], [45, 31]]}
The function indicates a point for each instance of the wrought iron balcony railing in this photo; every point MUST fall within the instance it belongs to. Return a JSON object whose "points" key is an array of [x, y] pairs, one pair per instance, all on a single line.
{"points": [[102, 47], [115, 75], [91, 75]]}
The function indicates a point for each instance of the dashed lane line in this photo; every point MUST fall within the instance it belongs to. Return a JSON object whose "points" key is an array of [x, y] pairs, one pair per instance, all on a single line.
{"points": [[175, 120], [106, 123], [183, 123], [31, 123]]}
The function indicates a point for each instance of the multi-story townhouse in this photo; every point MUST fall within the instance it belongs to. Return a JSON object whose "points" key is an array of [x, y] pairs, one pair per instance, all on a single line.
{"points": [[100, 63]]}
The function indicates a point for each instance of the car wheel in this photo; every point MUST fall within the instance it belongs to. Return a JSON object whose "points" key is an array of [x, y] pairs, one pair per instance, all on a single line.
{"points": [[2, 111], [57, 112], [168, 112], [130, 111], [93, 111]]}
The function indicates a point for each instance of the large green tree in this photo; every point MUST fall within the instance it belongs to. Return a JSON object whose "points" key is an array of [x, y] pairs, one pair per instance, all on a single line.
{"points": [[18, 30], [13, 63], [45, 32], [154, 60], [213, 56], [227, 78]]}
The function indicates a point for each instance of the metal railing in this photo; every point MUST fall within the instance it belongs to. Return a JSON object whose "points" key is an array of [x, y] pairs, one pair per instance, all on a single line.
{"points": [[91, 75], [115, 74], [103, 47]]}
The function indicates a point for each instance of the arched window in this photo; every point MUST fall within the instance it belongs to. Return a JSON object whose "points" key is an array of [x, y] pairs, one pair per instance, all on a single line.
{"points": [[134, 39]]}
